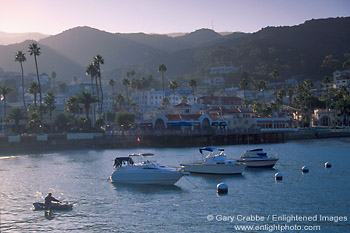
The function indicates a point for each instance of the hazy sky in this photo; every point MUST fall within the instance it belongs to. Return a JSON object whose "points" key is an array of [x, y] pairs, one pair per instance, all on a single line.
{"points": [[162, 16]]}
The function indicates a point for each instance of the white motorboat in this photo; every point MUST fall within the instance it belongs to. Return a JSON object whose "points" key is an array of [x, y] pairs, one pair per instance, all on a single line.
{"points": [[214, 163], [257, 158], [138, 169]]}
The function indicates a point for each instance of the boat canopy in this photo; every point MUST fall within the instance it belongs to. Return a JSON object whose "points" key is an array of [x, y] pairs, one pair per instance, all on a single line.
{"points": [[211, 149], [142, 154], [256, 149], [118, 162]]}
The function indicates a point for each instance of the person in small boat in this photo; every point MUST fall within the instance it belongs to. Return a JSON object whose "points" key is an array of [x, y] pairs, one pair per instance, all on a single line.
{"points": [[48, 201]]}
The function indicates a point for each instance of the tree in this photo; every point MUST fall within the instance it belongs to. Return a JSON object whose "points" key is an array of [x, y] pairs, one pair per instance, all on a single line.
{"points": [[34, 123], [112, 83], [290, 93], [98, 61], [126, 83], [35, 50], [173, 85], [346, 64], [72, 105], [34, 89], [50, 105], [4, 91], [87, 99], [20, 57], [262, 87], [275, 74], [53, 77], [125, 119], [64, 122], [119, 99], [243, 84], [91, 70], [325, 81], [162, 68], [17, 114], [193, 84]]}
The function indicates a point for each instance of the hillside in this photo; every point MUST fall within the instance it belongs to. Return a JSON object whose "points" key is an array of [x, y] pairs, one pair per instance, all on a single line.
{"points": [[48, 61], [292, 50], [12, 38]]}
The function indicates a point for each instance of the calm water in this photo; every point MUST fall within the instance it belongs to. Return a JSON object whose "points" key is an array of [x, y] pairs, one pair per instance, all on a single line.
{"points": [[100, 206]]}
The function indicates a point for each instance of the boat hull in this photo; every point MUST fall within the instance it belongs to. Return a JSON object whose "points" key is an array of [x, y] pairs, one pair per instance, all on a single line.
{"points": [[220, 169], [134, 175], [41, 206], [258, 163]]}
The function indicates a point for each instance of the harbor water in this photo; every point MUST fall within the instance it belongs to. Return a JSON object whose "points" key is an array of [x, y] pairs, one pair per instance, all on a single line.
{"points": [[318, 200]]}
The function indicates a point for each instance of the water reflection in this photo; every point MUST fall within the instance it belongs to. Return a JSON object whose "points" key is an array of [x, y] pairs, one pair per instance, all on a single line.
{"points": [[147, 188], [49, 215]]}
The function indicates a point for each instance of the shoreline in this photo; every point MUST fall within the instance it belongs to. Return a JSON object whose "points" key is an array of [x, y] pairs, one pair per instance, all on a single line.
{"points": [[77, 141]]}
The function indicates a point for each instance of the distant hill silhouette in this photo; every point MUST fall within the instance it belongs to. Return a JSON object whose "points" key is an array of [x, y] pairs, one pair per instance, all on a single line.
{"points": [[12, 38], [291, 50], [48, 61]]}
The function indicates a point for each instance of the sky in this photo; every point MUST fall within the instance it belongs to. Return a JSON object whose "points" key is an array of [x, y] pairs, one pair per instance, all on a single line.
{"points": [[162, 16]]}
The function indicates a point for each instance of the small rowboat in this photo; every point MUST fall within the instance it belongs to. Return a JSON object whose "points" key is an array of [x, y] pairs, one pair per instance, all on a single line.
{"points": [[54, 206]]}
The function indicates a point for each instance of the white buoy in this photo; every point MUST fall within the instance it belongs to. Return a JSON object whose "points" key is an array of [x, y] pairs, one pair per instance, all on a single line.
{"points": [[328, 165], [305, 169], [278, 176], [222, 188]]}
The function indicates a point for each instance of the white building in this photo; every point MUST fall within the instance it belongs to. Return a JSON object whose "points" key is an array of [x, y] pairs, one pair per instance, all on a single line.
{"points": [[341, 78]]}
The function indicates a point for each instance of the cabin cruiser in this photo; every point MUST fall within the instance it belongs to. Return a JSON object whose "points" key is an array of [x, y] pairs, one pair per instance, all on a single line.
{"points": [[257, 158], [214, 163], [139, 169]]}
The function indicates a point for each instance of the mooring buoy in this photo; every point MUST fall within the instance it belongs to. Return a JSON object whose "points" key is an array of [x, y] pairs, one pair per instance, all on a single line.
{"points": [[305, 169], [222, 188], [278, 176], [328, 165]]}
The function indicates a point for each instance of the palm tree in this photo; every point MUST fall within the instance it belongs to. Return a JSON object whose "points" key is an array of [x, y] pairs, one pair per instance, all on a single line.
{"points": [[35, 50], [275, 74], [173, 85], [53, 77], [17, 114], [98, 61], [4, 91], [325, 81], [192, 83], [112, 83], [72, 105], [126, 83], [20, 57], [86, 98], [290, 93], [91, 70], [262, 87], [119, 99], [34, 90], [50, 104], [243, 84], [162, 68]]}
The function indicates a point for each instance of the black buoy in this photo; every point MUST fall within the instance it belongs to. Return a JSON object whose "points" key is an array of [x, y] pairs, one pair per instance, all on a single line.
{"points": [[305, 169], [222, 188], [328, 165], [278, 176]]}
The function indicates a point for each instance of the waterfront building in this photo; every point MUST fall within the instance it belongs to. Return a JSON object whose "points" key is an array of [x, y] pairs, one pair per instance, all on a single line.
{"points": [[341, 78]]}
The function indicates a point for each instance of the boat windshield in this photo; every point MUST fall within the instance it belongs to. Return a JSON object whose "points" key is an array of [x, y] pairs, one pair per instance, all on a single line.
{"points": [[142, 159]]}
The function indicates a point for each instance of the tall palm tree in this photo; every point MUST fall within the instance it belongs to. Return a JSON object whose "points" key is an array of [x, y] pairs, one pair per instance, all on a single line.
{"points": [[35, 50], [162, 68], [325, 81], [112, 83], [119, 99], [243, 84], [20, 57], [4, 91], [17, 114], [126, 83], [91, 70], [193, 84], [87, 99], [34, 90], [98, 61], [50, 104], [262, 87], [53, 77], [173, 85], [275, 74]]}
